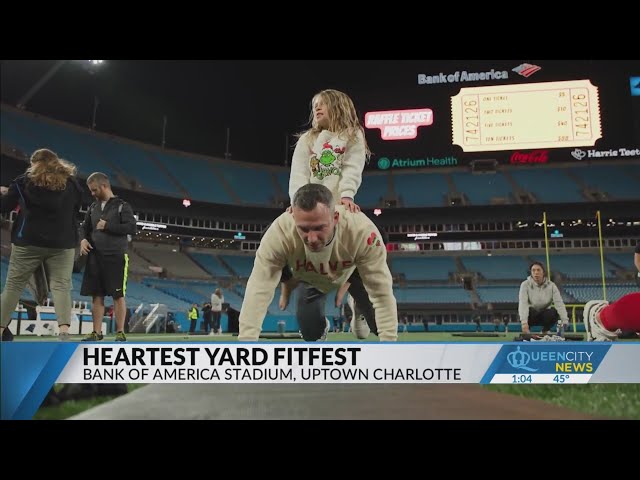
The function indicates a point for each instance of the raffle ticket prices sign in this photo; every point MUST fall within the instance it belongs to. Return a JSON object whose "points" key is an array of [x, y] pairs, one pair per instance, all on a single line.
{"points": [[528, 116]]}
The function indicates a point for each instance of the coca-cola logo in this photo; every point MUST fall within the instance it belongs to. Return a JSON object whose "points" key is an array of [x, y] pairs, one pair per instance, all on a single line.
{"points": [[534, 156]]}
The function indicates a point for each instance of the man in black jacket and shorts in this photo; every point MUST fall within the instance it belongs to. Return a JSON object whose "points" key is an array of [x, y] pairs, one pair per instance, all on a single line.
{"points": [[105, 230]]}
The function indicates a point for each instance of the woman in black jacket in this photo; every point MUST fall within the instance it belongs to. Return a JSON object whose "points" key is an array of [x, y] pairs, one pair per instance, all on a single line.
{"points": [[48, 198]]}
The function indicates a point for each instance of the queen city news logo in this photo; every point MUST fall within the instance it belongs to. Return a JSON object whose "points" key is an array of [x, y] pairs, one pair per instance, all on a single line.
{"points": [[559, 359], [520, 360]]}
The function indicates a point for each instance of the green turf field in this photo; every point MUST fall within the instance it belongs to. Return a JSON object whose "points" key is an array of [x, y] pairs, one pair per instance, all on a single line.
{"points": [[333, 337]]}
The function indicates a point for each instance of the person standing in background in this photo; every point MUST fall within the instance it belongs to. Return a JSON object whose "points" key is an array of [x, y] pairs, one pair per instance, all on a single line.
{"points": [[206, 318], [478, 321], [193, 315], [405, 323], [217, 299]]}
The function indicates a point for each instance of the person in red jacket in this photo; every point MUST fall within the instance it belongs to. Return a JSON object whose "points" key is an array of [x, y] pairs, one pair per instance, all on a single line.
{"points": [[606, 322]]}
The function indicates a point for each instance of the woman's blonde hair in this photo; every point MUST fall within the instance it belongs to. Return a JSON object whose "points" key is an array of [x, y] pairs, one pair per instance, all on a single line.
{"points": [[343, 118], [49, 171]]}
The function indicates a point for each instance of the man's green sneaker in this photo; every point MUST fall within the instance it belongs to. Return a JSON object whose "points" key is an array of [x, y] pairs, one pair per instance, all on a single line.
{"points": [[93, 337]]}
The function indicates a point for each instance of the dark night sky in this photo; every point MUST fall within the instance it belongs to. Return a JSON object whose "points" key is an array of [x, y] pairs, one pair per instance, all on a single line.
{"points": [[263, 101]]}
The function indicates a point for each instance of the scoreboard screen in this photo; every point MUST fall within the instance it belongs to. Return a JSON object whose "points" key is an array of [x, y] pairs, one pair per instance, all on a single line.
{"points": [[507, 111], [534, 116]]}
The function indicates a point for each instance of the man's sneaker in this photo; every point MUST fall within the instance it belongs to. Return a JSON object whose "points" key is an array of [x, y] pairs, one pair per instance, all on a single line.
{"points": [[120, 337], [547, 338], [326, 330], [359, 326], [591, 318], [93, 337], [64, 337], [627, 334]]}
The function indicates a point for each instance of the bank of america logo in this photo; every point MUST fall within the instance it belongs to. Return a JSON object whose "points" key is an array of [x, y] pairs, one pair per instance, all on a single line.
{"points": [[526, 69]]}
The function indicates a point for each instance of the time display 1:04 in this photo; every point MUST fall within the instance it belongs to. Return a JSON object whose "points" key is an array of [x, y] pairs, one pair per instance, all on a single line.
{"points": [[521, 378]]}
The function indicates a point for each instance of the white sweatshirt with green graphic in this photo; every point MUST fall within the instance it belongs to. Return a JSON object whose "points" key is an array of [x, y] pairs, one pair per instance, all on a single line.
{"points": [[331, 161]]}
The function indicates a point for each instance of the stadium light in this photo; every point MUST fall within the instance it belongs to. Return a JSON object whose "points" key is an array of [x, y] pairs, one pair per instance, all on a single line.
{"points": [[89, 65], [22, 103]]}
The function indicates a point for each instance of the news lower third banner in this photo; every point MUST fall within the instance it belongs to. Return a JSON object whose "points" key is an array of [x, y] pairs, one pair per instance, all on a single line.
{"points": [[29, 370]]}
